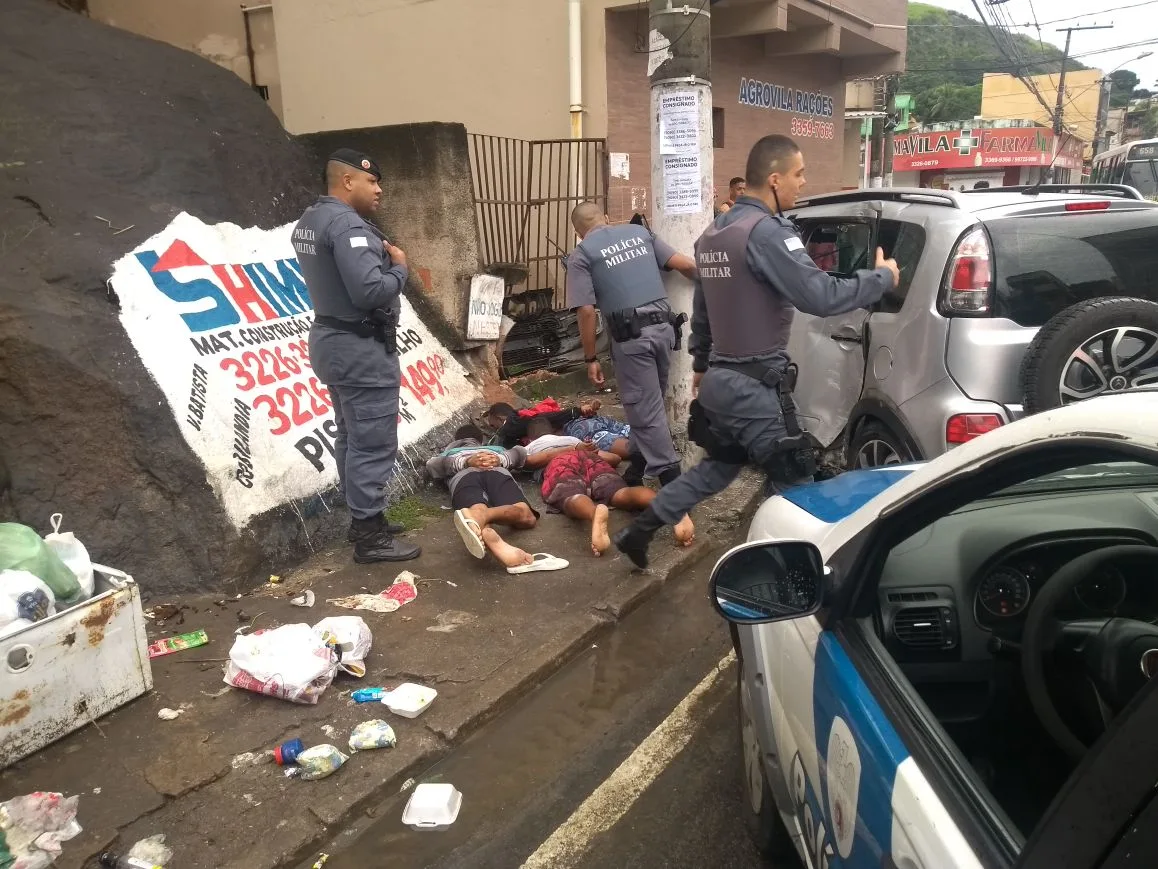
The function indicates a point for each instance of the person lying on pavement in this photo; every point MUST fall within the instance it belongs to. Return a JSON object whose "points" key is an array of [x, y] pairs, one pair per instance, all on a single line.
{"points": [[580, 481], [511, 428], [483, 493]]}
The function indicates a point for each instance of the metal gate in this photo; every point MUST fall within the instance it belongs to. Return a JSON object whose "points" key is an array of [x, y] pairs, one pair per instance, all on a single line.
{"points": [[524, 192]]}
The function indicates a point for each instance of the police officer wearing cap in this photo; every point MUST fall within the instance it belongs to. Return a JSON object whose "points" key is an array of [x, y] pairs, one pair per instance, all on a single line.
{"points": [[617, 269], [754, 273], [355, 278]]}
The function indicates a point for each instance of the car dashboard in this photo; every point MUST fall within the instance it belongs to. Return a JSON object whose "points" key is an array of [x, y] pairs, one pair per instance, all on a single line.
{"points": [[952, 594]]}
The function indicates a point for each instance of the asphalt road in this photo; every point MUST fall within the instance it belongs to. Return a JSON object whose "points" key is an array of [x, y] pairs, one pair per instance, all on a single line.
{"points": [[629, 757]]}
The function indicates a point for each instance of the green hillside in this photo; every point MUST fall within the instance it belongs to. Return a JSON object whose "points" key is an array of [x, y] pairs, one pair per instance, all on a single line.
{"points": [[948, 55]]}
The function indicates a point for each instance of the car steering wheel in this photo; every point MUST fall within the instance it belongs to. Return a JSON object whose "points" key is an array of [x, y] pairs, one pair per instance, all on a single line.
{"points": [[1118, 654]]}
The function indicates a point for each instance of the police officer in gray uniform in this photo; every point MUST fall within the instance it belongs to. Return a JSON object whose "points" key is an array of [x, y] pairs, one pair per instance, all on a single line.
{"points": [[617, 269], [753, 274], [355, 277]]}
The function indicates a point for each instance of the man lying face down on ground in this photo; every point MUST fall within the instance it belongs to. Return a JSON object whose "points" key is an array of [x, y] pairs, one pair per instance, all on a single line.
{"points": [[483, 493], [580, 481]]}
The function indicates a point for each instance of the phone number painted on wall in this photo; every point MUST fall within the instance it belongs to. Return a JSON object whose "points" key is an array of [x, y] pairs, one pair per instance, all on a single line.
{"points": [[807, 128], [220, 317]]}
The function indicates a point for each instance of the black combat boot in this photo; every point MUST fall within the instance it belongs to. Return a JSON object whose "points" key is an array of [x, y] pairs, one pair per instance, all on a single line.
{"points": [[666, 478], [359, 529], [633, 540], [636, 465], [376, 543]]}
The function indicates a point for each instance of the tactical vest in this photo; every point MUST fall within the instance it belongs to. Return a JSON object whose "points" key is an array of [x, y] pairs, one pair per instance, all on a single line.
{"points": [[623, 267], [749, 319]]}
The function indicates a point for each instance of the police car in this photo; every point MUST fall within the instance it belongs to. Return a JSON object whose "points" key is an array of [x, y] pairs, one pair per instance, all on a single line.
{"points": [[949, 665]]}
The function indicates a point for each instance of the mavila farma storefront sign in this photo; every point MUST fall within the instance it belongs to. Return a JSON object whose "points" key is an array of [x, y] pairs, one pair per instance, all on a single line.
{"points": [[971, 148]]}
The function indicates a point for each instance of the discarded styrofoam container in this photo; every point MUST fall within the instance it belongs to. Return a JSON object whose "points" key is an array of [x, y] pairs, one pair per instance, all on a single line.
{"points": [[432, 807], [409, 699]]}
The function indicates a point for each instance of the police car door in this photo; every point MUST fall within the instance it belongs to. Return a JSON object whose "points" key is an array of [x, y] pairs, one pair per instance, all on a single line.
{"points": [[830, 352]]}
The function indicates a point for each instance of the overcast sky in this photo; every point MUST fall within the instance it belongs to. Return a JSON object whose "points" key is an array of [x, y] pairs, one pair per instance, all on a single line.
{"points": [[1132, 25]]}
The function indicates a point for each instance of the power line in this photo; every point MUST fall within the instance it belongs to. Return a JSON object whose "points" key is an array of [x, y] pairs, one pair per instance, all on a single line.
{"points": [[991, 67]]}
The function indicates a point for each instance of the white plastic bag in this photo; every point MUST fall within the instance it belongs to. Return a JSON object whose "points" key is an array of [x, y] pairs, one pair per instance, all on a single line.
{"points": [[72, 552], [28, 596], [352, 636], [292, 663], [33, 827]]}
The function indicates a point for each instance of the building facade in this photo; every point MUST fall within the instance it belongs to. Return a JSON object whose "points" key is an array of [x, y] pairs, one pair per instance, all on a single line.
{"points": [[503, 67], [1004, 96]]}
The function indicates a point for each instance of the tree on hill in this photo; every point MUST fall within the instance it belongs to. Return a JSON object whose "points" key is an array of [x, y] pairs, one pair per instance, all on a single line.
{"points": [[949, 54]]}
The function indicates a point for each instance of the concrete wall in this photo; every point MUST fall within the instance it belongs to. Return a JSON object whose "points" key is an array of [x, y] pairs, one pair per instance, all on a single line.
{"points": [[1003, 96], [628, 110], [852, 171], [427, 209], [497, 66], [214, 29]]}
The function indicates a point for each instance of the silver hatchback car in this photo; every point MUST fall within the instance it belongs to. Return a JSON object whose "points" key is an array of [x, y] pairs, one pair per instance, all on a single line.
{"points": [[1012, 300]]}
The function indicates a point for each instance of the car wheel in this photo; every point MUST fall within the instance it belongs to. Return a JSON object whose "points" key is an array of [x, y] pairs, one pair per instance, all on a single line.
{"points": [[875, 446], [761, 817], [1098, 347]]}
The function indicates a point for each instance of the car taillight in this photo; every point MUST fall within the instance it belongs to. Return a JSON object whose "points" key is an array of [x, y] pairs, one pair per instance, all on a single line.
{"points": [[1087, 206], [963, 427], [968, 282]]}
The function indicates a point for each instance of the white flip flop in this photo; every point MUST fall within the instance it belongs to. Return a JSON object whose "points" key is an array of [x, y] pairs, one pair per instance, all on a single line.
{"points": [[539, 561], [470, 533]]}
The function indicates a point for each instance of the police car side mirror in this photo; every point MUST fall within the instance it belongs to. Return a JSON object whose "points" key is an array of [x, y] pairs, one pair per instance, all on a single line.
{"points": [[767, 581]]}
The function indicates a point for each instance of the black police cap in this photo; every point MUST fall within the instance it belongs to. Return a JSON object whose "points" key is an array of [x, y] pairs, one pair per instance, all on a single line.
{"points": [[358, 160]]}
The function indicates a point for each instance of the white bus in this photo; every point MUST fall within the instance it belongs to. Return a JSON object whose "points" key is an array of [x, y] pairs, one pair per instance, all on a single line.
{"points": [[1135, 164]]}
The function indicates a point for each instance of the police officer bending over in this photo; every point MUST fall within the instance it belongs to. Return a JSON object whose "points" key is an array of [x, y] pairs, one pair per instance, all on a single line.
{"points": [[753, 274], [355, 277], [617, 269]]}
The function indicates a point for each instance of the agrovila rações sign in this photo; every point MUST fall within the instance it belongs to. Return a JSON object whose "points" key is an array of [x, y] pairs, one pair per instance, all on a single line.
{"points": [[220, 318]]}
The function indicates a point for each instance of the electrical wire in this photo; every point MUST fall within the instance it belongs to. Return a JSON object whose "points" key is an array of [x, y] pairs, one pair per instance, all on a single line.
{"points": [[998, 67]]}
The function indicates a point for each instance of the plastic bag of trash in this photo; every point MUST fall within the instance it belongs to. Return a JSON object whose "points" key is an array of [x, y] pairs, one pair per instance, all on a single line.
{"points": [[72, 552], [292, 663], [33, 827], [24, 597], [319, 762], [21, 548], [351, 635], [152, 851], [372, 734]]}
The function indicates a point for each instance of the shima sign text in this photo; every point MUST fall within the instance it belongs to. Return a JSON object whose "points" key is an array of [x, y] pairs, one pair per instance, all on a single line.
{"points": [[221, 318]]}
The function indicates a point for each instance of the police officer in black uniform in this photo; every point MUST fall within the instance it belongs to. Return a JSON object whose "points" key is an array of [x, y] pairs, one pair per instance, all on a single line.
{"points": [[753, 274], [355, 279]]}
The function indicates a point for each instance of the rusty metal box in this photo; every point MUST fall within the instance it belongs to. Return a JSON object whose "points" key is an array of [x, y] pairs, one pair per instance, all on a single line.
{"points": [[68, 670]]}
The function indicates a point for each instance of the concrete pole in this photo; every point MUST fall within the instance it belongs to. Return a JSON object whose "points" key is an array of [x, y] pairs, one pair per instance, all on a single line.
{"points": [[682, 170]]}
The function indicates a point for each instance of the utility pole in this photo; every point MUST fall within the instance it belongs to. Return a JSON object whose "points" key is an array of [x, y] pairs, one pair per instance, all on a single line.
{"points": [[1059, 108], [679, 65], [890, 122]]}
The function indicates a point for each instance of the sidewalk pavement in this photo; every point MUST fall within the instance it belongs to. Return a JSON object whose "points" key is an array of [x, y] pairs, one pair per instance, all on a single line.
{"points": [[482, 642]]}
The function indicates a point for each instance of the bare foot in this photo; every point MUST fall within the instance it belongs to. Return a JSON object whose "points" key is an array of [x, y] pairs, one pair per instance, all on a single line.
{"points": [[508, 556], [600, 539], [685, 531]]}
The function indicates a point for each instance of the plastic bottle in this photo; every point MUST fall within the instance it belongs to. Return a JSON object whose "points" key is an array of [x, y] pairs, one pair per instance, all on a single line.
{"points": [[112, 861], [368, 695], [287, 753]]}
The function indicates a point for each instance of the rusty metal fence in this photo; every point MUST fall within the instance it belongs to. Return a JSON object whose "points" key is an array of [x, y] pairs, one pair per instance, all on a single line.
{"points": [[524, 192]]}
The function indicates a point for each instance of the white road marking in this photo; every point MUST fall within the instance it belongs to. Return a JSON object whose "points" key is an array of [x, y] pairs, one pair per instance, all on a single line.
{"points": [[615, 796]]}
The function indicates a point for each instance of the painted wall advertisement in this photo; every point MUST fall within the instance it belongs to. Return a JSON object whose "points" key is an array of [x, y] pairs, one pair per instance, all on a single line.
{"points": [[967, 148], [811, 108], [220, 318]]}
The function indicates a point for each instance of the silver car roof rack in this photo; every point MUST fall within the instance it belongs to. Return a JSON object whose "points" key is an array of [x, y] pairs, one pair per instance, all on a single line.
{"points": [[1120, 191], [924, 195]]}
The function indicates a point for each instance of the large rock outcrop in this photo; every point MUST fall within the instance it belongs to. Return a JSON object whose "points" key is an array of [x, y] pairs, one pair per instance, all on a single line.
{"points": [[104, 138]]}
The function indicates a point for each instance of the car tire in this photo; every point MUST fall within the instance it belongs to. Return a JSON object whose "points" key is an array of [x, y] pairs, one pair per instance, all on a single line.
{"points": [[765, 826], [874, 446], [1055, 371]]}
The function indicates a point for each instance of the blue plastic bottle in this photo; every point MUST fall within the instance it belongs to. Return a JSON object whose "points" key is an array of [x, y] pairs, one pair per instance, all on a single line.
{"points": [[369, 695]]}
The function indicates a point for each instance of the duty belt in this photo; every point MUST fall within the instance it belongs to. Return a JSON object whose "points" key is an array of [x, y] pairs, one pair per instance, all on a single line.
{"points": [[629, 323], [381, 325], [782, 381]]}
